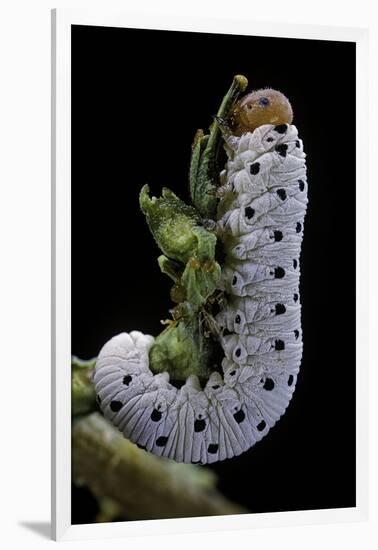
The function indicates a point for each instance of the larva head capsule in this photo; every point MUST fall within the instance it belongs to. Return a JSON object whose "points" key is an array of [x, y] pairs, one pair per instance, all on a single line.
{"points": [[266, 106]]}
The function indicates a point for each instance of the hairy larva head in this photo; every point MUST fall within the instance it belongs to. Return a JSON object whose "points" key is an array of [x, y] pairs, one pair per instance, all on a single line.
{"points": [[260, 107]]}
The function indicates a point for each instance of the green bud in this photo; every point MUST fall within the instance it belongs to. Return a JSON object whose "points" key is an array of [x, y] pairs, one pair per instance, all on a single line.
{"points": [[171, 222], [181, 349]]}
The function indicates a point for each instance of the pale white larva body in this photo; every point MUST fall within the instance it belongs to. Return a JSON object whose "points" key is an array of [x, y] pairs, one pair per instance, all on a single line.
{"points": [[260, 223]]}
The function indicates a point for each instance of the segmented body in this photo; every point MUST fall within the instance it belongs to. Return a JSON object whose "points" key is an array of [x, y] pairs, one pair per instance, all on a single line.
{"points": [[260, 223]]}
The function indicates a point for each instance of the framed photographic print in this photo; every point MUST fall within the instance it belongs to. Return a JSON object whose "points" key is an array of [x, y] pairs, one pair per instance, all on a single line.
{"points": [[209, 189]]}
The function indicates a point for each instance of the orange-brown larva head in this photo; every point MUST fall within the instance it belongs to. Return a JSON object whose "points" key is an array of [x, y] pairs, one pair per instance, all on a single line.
{"points": [[265, 106]]}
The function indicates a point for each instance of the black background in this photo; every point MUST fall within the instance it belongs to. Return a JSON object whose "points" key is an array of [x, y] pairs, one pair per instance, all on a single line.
{"points": [[138, 97]]}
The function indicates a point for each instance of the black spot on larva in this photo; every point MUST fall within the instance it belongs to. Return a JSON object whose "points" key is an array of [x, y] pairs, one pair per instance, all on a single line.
{"points": [[212, 448], [278, 236], [280, 308], [99, 400], [232, 373], [261, 426], [156, 415], [249, 212], [297, 143], [301, 185], [298, 227], [196, 462], [199, 425], [254, 168], [264, 101], [282, 194], [226, 332], [216, 387], [234, 280], [238, 352], [239, 416], [237, 319], [279, 345], [140, 446], [290, 380], [281, 128], [296, 334], [295, 263], [279, 272], [281, 149], [116, 406], [127, 379], [269, 139], [161, 441], [268, 384], [295, 297]]}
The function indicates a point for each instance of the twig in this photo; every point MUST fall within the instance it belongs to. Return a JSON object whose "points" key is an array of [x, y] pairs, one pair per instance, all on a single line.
{"points": [[82, 390], [141, 485]]}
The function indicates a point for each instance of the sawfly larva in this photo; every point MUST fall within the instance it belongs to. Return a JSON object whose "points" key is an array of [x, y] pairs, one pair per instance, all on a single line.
{"points": [[261, 205]]}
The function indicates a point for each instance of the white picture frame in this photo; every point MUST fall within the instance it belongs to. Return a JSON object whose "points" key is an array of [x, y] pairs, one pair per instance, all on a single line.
{"points": [[61, 273]]}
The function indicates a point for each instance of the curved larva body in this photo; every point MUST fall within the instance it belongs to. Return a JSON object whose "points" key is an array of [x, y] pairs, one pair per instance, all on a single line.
{"points": [[260, 222]]}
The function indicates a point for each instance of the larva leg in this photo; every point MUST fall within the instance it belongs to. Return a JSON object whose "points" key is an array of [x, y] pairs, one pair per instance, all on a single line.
{"points": [[231, 141]]}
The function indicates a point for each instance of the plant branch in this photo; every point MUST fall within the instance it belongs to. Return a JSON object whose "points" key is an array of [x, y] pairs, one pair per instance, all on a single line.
{"points": [[137, 484]]}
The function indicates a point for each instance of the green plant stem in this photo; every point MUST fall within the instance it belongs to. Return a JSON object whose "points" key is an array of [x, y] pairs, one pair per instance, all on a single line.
{"points": [[83, 397], [204, 168]]}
